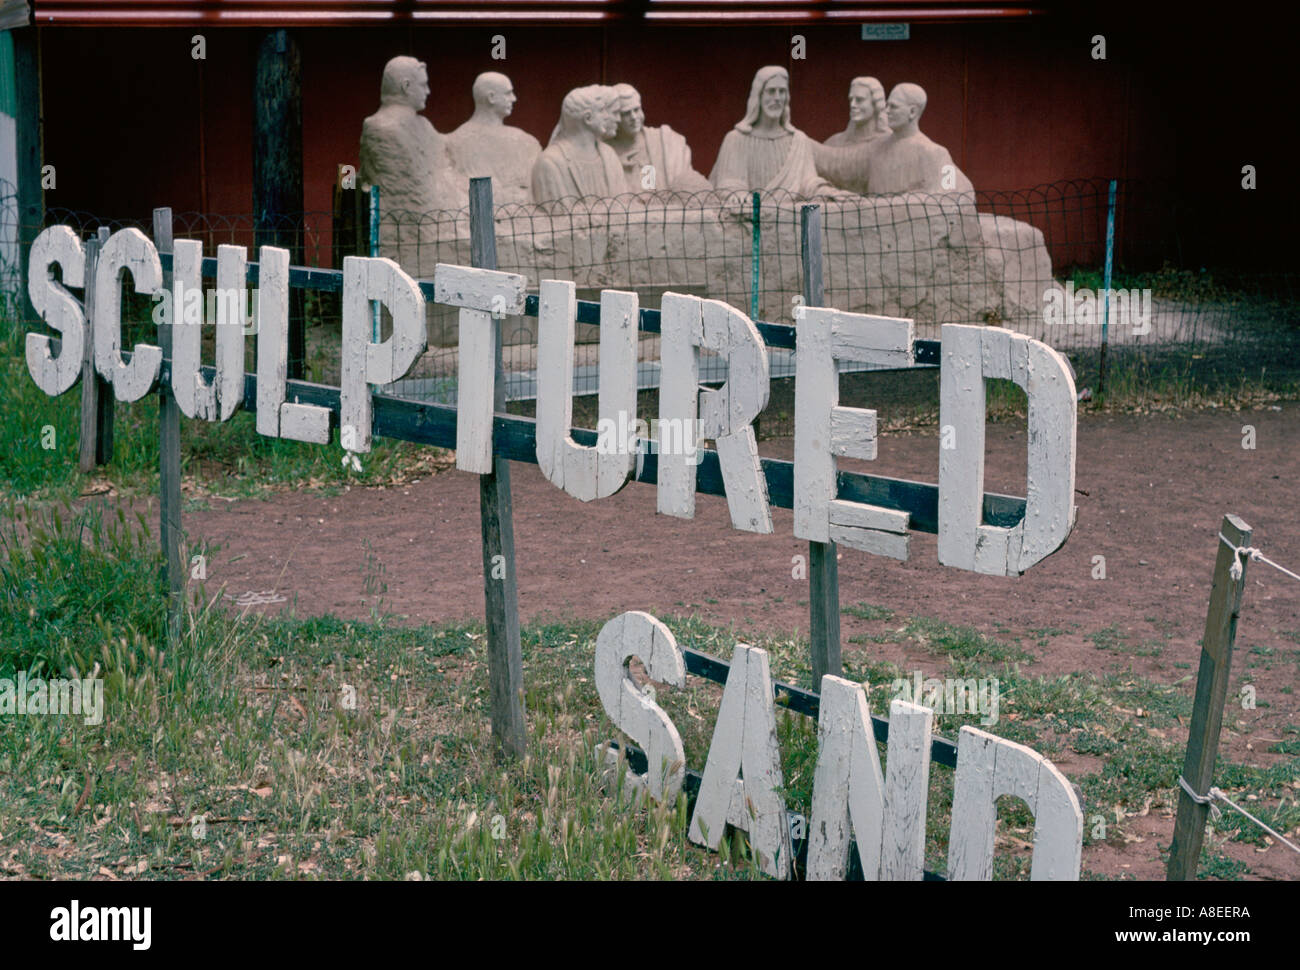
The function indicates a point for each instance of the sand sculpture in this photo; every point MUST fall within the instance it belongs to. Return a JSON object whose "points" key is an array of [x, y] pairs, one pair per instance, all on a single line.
{"points": [[764, 151], [401, 152], [486, 145], [577, 162], [908, 161], [653, 158], [915, 247]]}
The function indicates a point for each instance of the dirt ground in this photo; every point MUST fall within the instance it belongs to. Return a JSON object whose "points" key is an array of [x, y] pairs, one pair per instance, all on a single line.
{"points": [[1153, 490]]}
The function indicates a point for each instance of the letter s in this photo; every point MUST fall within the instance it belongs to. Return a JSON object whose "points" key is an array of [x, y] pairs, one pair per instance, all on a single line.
{"points": [[637, 634], [58, 308]]}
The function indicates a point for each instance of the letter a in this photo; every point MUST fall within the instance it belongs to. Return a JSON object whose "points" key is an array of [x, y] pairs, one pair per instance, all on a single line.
{"points": [[744, 741]]}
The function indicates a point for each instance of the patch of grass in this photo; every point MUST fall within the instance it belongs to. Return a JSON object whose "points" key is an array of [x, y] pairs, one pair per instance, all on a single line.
{"points": [[1004, 399], [1108, 638], [1149, 648], [961, 642], [1048, 631], [326, 748], [1093, 742], [72, 583], [868, 611], [1216, 865]]}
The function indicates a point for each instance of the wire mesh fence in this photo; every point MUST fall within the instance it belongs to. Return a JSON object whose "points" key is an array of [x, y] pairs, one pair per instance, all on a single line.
{"points": [[1030, 260]]}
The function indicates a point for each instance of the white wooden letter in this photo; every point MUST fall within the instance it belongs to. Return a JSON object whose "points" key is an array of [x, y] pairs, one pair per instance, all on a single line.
{"points": [[130, 251], [971, 354], [489, 290], [60, 310], [277, 418], [686, 324], [989, 767], [197, 397], [907, 790], [825, 430], [848, 789], [479, 293], [364, 361], [727, 413], [681, 330], [637, 634], [586, 473], [744, 741]]}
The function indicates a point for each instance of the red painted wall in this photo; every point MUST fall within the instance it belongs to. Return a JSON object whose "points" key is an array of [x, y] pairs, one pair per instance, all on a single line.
{"points": [[1017, 103]]}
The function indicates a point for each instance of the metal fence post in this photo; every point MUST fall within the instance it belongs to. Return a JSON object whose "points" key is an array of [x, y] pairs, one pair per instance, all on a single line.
{"points": [[1105, 295]]}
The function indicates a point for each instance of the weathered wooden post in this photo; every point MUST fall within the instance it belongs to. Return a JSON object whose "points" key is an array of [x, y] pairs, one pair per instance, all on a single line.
{"points": [[277, 169], [823, 562], [96, 443], [1211, 693], [500, 586], [755, 254], [169, 448]]}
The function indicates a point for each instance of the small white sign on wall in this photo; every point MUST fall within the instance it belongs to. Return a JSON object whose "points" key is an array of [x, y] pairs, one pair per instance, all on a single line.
{"points": [[886, 31]]}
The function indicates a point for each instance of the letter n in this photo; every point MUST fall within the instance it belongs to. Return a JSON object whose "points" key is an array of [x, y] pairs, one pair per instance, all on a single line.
{"points": [[887, 817]]}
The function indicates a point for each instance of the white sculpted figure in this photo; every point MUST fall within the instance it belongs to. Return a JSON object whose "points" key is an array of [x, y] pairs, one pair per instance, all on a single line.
{"points": [[663, 150], [866, 114], [908, 161], [486, 145], [765, 151], [401, 152], [842, 159], [577, 162]]}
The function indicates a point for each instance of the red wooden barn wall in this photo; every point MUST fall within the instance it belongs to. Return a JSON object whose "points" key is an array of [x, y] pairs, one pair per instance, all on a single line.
{"points": [[1018, 103]]}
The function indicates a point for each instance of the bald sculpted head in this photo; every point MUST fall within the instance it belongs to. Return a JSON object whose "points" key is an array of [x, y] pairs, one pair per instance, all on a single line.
{"points": [[494, 94]]}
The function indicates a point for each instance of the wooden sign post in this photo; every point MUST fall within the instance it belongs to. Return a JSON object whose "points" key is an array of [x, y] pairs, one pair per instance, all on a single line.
{"points": [[823, 557], [500, 586], [96, 443], [1211, 693], [169, 448]]}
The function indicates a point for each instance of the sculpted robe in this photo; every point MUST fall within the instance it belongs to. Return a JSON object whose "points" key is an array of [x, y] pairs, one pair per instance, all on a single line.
{"points": [[845, 165], [748, 162], [506, 154], [911, 164], [560, 173], [850, 136], [406, 157], [668, 153]]}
